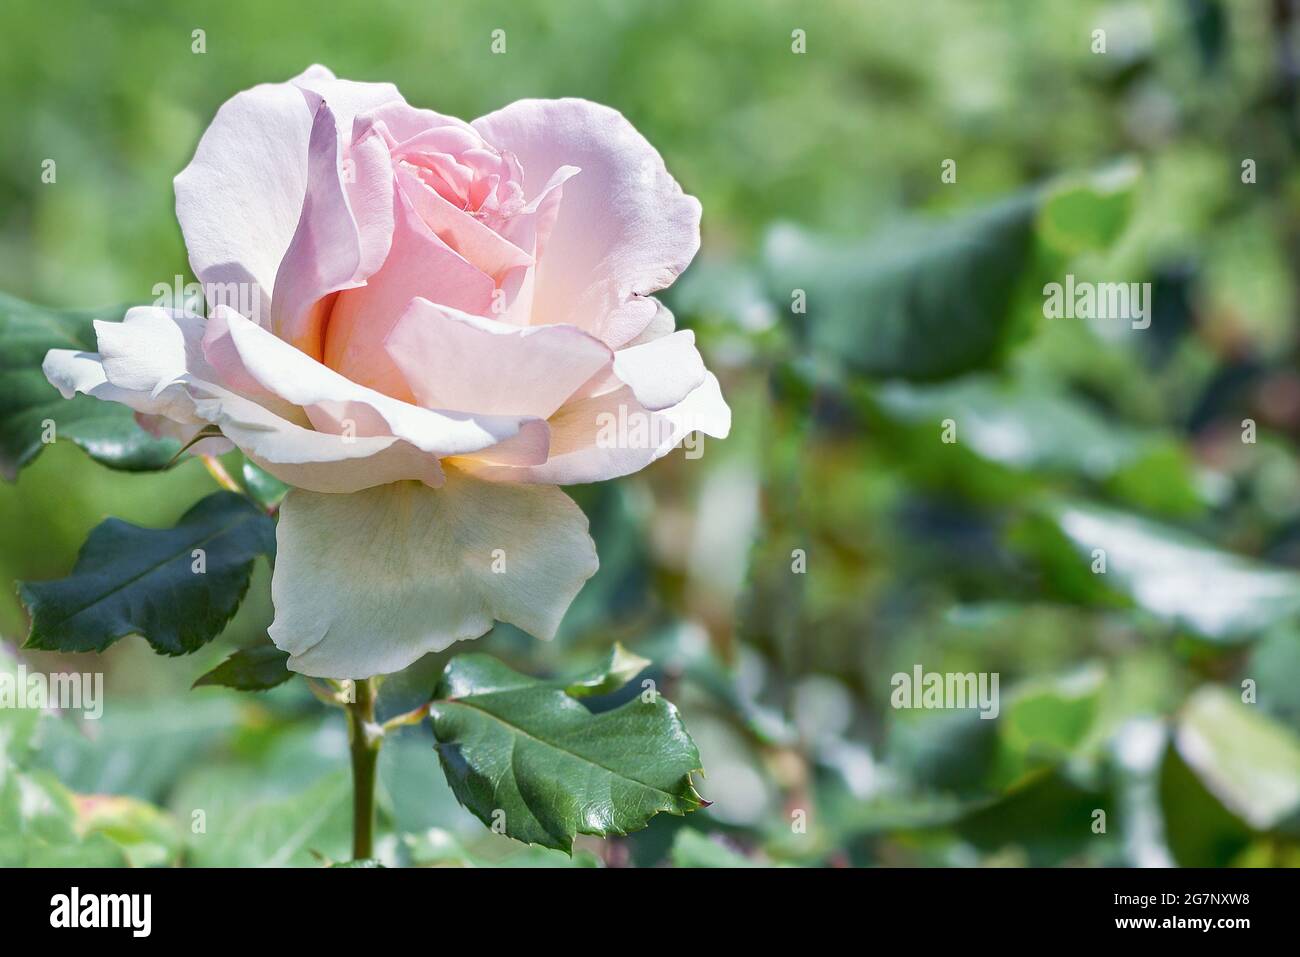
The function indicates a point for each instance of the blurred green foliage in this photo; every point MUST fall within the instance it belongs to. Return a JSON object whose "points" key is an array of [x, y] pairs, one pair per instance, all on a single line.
{"points": [[1121, 692]]}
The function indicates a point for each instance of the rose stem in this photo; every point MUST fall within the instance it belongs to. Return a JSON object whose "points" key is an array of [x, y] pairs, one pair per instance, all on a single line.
{"points": [[364, 739]]}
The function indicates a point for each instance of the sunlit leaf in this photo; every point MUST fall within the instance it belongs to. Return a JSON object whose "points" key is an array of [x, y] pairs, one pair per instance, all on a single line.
{"points": [[1248, 761], [1177, 577], [621, 667], [528, 758]]}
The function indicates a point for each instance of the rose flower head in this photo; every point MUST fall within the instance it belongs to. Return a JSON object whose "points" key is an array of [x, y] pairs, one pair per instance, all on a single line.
{"points": [[422, 325]]}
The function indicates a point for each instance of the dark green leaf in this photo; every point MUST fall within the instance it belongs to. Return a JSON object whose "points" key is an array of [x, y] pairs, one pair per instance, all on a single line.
{"points": [[106, 430], [526, 757], [1200, 832], [1061, 810], [921, 301], [130, 580], [250, 669]]}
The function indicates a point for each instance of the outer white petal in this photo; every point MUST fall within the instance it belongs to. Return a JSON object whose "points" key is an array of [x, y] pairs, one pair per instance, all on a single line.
{"points": [[367, 583], [662, 372], [154, 363], [239, 199], [611, 435], [664, 323]]}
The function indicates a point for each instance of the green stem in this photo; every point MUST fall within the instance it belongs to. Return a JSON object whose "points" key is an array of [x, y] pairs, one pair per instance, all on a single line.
{"points": [[364, 740]]}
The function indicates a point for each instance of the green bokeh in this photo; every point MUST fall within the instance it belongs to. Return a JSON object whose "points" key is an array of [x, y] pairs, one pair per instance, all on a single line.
{"points": [[951, 556]]}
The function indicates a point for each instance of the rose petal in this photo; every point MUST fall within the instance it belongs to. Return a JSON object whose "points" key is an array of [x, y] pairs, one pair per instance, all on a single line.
{"points": [[161, 427], [492, 253], [610, 435], [305, 458], [154, 363], [343, 234], [368, 583], [529, 230], [335, 404], [419, 264], [239, 199], [456, 361], [406, 124], [348, 99], [624, 229], [661, 372]]}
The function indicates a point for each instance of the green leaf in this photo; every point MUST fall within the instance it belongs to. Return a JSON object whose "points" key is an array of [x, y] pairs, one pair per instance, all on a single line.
{"points": [[147, 835], [17, 725], [1199, 830], [43, 823], [526, 755], [130, 580], [1048, 721], [1246, 760], [259, 668], [132, 752], [1061, 811], [1089, 215], [437, 847], [106, 430], [1051, 717], [693, 849], [262, 485], [1018, 425], [621, 668], [1178, 578], [950, 751], [249, 825], [39, 825], [920, 301]]}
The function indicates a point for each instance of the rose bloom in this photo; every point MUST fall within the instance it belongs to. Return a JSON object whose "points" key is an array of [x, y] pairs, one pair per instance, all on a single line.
{"points": [[422, 325]]}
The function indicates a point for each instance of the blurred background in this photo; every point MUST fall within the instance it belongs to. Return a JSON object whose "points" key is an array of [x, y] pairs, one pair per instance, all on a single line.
{"points": [[835, 539]]}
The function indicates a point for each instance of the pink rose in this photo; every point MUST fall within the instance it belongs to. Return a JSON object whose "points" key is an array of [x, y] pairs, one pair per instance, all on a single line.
{"points": [[423, 325]]}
